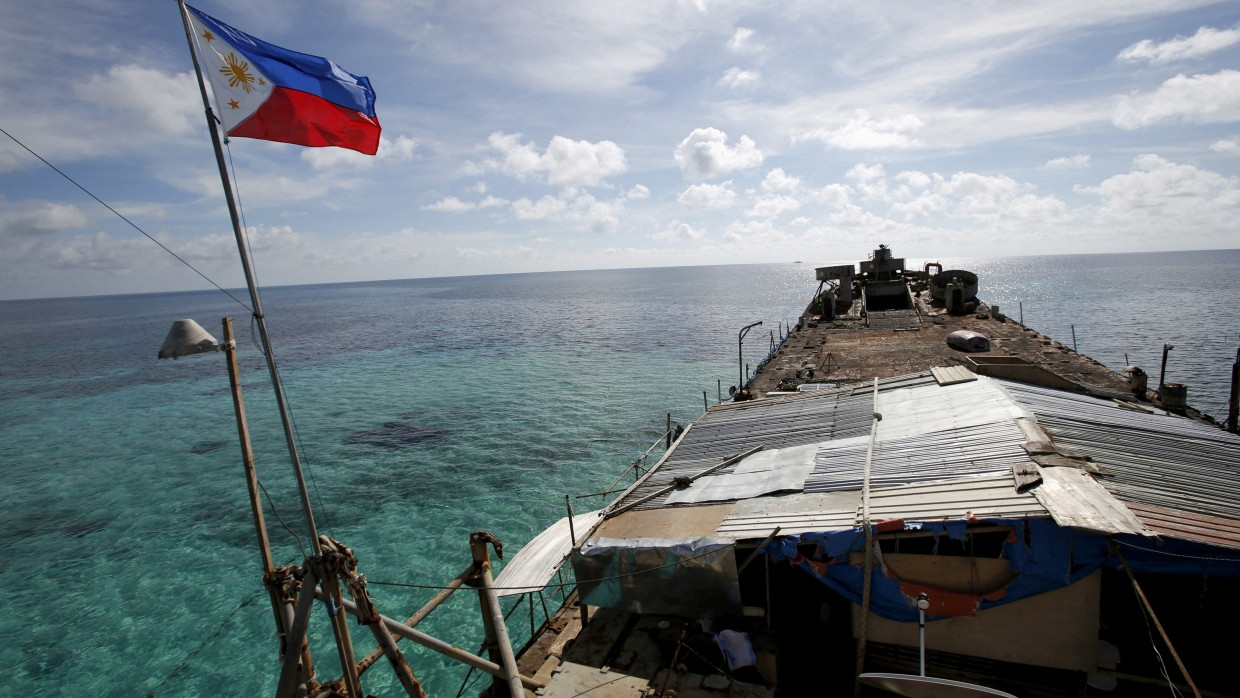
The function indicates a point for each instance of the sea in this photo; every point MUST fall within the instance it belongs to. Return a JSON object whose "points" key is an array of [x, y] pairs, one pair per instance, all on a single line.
{"points": [[424, 409]]}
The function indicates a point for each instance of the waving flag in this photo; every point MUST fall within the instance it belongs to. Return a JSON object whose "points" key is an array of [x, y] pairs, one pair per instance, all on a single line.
{"points": [[267, 92]]}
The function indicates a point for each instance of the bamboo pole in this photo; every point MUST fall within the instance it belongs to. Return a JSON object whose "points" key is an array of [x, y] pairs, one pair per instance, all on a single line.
{"points": [[251, 477], [368, 615], [497, 629], [340, 623], [1161, 631], [297, 632], [436, 645], [421, 615]]}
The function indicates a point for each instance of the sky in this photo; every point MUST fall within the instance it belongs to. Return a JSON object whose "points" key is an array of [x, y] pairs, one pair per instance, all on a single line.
{"points": [[550, 135]]}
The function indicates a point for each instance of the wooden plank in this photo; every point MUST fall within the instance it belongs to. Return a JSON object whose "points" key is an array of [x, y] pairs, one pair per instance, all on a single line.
{"points": [[951, 375]]}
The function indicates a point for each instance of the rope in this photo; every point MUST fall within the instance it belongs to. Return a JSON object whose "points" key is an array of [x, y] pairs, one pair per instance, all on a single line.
{"points": [[1147, 612], [194, 652], [564, 584], [122, 217]]}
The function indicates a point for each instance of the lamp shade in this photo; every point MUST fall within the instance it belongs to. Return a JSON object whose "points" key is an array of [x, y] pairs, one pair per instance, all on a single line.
{"points": [[187, 337]]}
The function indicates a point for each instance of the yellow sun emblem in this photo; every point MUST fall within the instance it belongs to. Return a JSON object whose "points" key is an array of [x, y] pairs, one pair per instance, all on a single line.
{"points": [[238, 72]]}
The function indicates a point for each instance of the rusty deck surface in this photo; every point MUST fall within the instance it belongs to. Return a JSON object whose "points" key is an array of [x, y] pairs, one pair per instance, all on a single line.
{"points": [[857, 347]]}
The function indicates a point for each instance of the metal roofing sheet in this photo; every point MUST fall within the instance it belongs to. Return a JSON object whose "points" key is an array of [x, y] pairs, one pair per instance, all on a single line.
{"points": [[958, 498], [1076, 500], [1155, 460], [795, 513], [537, 561], [1178, 524]]}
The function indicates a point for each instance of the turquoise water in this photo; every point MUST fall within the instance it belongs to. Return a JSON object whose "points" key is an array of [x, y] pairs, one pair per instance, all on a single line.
{"points": [[426, 409]]}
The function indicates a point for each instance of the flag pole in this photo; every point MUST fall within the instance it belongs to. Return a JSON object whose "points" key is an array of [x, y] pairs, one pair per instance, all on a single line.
{"points": [[340, 629], [251, 284]]}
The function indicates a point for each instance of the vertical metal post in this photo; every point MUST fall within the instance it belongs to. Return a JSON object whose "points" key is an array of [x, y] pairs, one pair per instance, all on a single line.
{"points": [[1021, 305], [1234, 398], [922, 602], [1162, 374], [668, 434], [572, 532], [1073, 337], [740, 352]]}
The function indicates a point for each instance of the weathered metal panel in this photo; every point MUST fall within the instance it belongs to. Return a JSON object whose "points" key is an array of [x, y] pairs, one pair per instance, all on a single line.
{"points": [[537, 561], [958, 498], [1156, 460], [1076, 500], [1181, 524]]}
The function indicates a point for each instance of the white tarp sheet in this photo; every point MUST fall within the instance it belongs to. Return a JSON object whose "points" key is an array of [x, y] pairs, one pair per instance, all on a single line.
{"points": [[765, 472]]}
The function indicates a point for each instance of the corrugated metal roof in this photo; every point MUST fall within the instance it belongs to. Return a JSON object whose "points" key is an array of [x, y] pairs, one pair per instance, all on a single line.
{"points": [[944, 450], [1155, 462], [959, 498], [796, 513], [1076, 500]]}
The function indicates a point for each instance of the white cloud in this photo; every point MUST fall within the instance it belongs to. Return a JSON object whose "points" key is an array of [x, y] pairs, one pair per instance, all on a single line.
{"points": [[580, 209], [1207, 40], [772, 206], [737, 79], [450, 204], [742, 41], [1211, 98], [1227, 145], [546, 207], [147, 100], [677, 232], [863, 132], [1074, 162], [566, 163], [708, 195], [779, 181], [38, 218], [638, 193], [862, 172], [705, 153], [1158, 195]]}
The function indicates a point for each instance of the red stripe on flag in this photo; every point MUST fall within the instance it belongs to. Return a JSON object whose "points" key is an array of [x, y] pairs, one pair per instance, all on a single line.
{"points": [[289, 116]]}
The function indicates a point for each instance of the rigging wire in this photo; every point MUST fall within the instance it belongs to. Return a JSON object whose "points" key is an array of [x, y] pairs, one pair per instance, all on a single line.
{"points": [[119, 215], [527, 589], [245, 228]]}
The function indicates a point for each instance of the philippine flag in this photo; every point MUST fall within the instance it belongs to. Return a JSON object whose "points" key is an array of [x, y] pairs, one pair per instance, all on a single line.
{"points": [[267, 92]]}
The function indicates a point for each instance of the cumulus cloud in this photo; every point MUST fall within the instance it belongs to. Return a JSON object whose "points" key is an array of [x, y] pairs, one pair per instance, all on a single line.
{"points": [[1227, 145], [772, 206], [1162, 193], [705, 153], [1075, 162], [863, 132], [737, 79], [1203, 99], [578, 209], [149, 100], [1206, 40], [779, 181], [708, 195], [33, 219], [400, 149], [565, 162]]}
